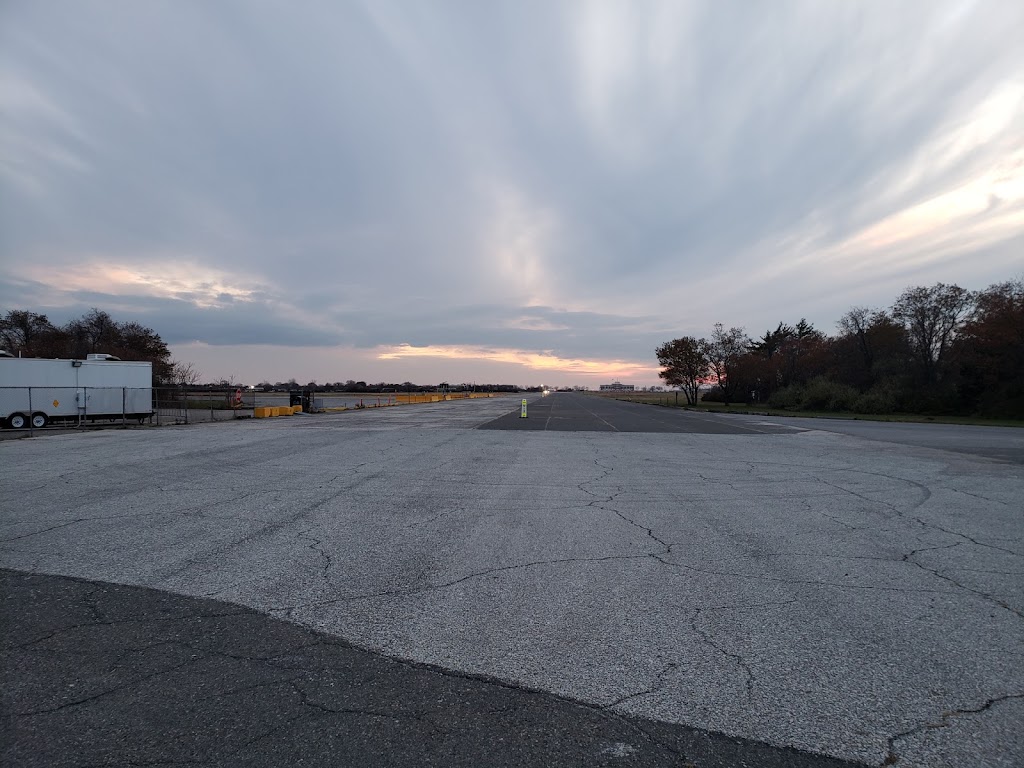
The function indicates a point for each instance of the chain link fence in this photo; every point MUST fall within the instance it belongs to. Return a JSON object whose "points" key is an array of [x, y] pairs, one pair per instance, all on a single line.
{"points": [[34, 408], [173, 405]]}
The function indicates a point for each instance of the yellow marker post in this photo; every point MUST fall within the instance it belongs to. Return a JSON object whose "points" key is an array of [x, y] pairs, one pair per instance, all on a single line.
{"points": [[522, 413]]}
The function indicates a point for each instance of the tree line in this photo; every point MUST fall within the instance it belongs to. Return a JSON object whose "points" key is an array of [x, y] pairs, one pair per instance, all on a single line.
{"points": [[939, 349], [30, 334]]}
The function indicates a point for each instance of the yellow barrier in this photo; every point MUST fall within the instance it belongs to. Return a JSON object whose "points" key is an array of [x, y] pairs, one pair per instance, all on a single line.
{"points": [[438, 398], [269, 411], [418, 398], [266, 411]]}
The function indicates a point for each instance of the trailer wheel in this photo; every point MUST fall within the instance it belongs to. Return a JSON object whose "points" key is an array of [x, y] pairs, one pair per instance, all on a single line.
{"points": [[17, 421], [39, 420]]}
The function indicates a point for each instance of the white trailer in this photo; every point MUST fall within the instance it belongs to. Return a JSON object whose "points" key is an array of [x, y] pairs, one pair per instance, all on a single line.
{"points": [[38, 391]]}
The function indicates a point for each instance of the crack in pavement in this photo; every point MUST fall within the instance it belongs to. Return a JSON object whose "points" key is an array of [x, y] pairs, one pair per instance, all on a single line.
{"points": [[603, 502], [117, 622], [618, 491], [938, 574], [893, 756], [932, 526], [304, 697], [288, 610], [317, 546], [194, 561], [741, 662], [656, 685], [37, 533], [978, 496], [192, 510], [937, 527], [85, 700]]}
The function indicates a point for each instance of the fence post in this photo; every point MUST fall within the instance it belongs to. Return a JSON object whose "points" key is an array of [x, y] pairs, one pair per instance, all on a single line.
{"points": [[184, 392]]}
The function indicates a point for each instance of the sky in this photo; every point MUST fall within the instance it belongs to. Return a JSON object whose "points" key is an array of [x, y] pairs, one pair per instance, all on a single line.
{"points": [[525, 192]]}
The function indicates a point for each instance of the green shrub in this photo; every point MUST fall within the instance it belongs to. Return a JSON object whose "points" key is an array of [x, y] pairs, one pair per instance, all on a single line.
{"points": [[875, 401], [820, 394], [787, 397], [886, 396]]}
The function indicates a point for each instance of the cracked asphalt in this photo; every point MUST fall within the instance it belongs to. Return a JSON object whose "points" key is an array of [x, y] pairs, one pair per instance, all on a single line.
{"points": [[734, 583], [104, 674]]}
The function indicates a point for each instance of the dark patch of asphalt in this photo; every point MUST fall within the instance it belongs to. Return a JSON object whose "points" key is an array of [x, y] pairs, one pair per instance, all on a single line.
{"points": [[103, 674], [566, 412], [991, 442]]}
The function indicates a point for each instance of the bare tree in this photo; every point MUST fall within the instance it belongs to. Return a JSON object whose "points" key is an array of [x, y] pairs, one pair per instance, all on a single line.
{"points": [[725, 351], [855, 324], [932, 317], [99, 328], [686, 361], [183, 374]]}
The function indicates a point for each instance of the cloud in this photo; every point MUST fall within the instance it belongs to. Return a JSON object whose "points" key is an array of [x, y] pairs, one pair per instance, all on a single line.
{"points": [[587, 179], [171, 278], [534, 323]]}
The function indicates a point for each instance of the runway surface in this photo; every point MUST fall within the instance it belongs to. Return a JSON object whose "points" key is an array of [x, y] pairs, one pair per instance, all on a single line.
{"points": [[636, 586], [565, 412]]}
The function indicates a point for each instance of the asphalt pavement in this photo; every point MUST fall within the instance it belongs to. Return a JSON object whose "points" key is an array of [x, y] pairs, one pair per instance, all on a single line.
{"points": [[105, 674], [580, 413], [593, 595], [1002, 443]]}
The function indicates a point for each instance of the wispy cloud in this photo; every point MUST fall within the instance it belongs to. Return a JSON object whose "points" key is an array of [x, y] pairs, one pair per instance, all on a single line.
{"points": [[168, 278]]}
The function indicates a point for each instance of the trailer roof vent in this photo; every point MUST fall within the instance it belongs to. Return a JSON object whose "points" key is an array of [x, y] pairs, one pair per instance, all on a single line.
{"points": [[101, 356]]}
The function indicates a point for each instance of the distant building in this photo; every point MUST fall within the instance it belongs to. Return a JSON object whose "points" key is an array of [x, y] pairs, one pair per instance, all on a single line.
{"points": [[617, 386]]}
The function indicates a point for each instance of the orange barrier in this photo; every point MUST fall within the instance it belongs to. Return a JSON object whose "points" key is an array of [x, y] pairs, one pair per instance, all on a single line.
{"points": [[439, 397]]}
